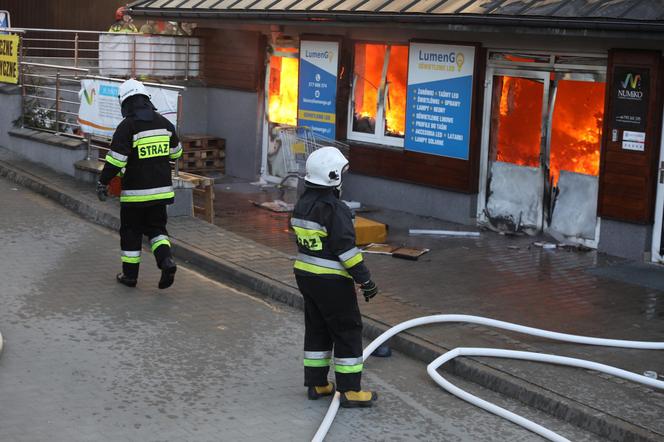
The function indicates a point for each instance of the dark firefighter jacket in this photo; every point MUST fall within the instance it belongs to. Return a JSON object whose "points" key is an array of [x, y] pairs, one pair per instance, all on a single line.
{"points": [[143, 144], [326, 237]]}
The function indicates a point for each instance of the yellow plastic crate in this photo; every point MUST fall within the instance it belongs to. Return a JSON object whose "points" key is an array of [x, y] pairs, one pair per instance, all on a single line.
{"points": [[368, 231]]}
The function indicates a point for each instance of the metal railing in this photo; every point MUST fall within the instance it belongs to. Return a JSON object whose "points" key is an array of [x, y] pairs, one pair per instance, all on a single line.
{"points": [[51, 101], [114, 54]]}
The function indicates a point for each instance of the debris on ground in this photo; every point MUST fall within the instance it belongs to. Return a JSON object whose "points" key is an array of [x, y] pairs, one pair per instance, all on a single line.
{"points": [[411, 253], [455, 233], [278, 206], [545, 245]]}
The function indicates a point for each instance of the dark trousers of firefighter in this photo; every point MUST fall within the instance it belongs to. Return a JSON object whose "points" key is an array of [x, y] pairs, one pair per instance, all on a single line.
{"points": [[136, 222], [332, 320]]}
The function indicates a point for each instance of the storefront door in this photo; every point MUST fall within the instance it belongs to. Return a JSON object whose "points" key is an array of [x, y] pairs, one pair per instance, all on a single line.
{"points": [[281, 83], [541, 146], [658, 228]]}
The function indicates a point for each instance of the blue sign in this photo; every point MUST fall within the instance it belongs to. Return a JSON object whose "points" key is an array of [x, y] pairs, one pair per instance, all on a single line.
{"points": [[317, 89], [440, 92]]}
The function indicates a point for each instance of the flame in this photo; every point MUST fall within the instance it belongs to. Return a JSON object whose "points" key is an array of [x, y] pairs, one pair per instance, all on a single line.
{"points": [[577, 128], [282, 98], [369, 60], [575, 131]]}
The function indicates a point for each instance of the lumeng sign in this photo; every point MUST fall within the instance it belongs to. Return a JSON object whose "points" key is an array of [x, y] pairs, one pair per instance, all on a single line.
{"points": [[440, 92], [317, 91]]}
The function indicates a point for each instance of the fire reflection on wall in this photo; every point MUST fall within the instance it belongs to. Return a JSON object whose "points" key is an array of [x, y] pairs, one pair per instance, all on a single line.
{"points": [[282, 106]]}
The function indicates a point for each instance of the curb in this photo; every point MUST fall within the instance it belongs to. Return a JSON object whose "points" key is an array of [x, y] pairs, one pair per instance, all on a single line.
{"points": [[580, 415]]}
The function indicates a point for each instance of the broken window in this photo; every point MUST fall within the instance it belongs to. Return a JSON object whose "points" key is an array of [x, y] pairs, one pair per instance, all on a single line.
{"points": [[378, 102]]}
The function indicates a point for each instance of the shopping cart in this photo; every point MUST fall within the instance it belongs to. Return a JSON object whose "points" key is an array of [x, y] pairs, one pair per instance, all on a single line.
{"points": [[298, 142]]}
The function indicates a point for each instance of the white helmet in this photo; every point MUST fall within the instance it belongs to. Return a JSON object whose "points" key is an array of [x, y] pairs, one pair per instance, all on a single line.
{"points": [[130, 88], [325, 166]]}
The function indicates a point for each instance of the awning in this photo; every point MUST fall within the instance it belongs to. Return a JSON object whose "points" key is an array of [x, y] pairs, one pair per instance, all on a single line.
{"points": [[591, 14]]}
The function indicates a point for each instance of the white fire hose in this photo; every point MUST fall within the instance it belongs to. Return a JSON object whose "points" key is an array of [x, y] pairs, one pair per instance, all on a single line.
{"points": [[493, 352]]}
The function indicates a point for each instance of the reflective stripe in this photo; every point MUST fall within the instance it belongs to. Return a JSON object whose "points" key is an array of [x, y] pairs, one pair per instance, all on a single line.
{"points": [[351, 257], [176, 149], [145, 198], [317, 270], [317, 354], [113, 161], [118, 156], [159, 241], [349, 368], [131, 253], [306, 224], [141, 192], [158, 238], [151, 133], [348, 361], [142, 195], [316, 362], [320, 262], [131, 256], [157, 139]]}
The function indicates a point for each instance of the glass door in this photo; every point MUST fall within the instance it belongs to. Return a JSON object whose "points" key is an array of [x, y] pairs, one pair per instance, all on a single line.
{"points": [[658, 228], [515, 173], [281, 89]]}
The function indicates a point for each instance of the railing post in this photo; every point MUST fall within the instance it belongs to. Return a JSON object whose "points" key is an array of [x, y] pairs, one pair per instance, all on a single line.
{"points": [[21, 66], [57, 101], [89, 154], [177, 129], [186, 68], [133, 57], [76, 52]]}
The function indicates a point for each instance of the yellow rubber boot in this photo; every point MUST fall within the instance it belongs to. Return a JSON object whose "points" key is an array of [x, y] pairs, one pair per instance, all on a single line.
{"points": [[317, 392], [358, 399]]}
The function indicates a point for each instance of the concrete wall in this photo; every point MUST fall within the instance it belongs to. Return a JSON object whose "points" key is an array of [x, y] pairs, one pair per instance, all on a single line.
{"points": [[419, 200], [626, 240], [10, 103], [232, 115]]}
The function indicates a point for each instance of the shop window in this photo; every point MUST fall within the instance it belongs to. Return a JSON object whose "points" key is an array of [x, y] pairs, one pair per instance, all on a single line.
{"points": [[282, 96], [378, 103]]}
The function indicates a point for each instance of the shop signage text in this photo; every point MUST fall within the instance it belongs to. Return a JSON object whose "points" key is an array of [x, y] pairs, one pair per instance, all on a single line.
{"points": [[630, 98], [317, 89], [440, 79], [9, 58]]}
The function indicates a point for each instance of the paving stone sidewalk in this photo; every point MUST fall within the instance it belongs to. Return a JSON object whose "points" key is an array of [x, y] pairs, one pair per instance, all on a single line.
{"points": [[491, 277]]}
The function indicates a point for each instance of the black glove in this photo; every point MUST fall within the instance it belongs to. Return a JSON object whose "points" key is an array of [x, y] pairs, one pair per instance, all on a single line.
{"points": [[102, 191], [369, 290]]}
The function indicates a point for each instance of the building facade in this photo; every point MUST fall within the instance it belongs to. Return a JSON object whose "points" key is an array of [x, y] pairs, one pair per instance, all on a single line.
{"points": [[522, 116]]}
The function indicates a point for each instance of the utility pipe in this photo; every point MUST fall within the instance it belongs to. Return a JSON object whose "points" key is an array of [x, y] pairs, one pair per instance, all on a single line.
{"points": [[437, 319]]}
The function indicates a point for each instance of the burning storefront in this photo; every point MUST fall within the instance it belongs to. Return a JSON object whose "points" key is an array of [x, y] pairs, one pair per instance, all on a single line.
{"points": [[515, 115]]}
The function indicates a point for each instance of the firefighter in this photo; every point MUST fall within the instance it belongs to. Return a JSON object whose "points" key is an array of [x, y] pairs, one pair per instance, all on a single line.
{"points": [[123, 22], [326, 269], [142, 145]]}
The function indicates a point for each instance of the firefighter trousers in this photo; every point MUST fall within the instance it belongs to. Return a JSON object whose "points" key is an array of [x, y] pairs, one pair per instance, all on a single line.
{"points": [[136, 222], [332, 322]]}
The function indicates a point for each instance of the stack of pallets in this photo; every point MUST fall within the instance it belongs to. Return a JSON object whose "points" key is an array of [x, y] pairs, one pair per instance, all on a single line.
{"points": [[202, 154]]}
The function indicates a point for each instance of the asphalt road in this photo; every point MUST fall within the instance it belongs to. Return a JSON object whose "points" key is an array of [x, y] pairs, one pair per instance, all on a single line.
{"points": [[87, 359]]}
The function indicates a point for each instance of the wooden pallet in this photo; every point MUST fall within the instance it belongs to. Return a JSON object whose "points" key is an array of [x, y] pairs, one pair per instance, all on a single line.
{"points": [[192, 142], [203, 195], [202, 154]]}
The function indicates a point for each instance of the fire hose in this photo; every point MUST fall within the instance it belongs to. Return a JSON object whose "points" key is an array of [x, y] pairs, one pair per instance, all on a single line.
{"points": [[500, 353]]}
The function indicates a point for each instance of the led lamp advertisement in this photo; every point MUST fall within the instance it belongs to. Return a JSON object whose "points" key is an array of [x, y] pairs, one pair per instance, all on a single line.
{"points": [[440, 89], [317, 94]]}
